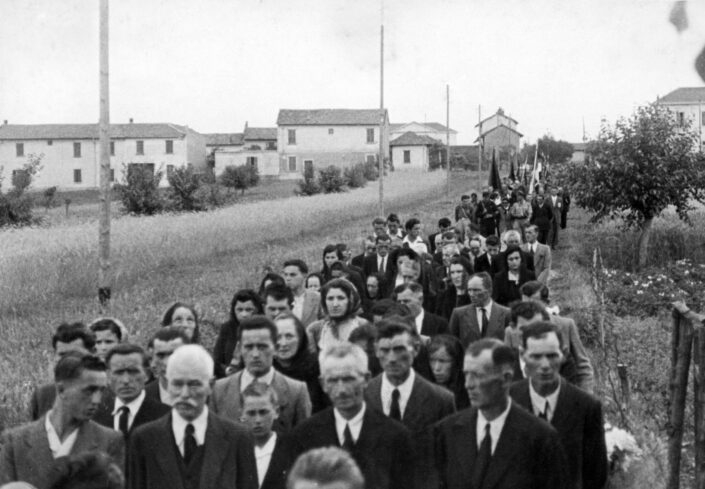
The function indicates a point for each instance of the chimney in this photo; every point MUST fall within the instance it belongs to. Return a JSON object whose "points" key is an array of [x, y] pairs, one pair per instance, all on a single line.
{"points": [[4, 122], [131, 120]]}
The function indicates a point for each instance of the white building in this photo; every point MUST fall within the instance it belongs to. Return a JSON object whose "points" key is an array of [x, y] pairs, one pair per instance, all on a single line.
{"points": [[411, 151], [71, 152], [687, 103], [434, 130], [256, 146]]}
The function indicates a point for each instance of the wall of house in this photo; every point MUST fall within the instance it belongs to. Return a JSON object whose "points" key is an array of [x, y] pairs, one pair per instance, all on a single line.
{"points": [[418, 158], [693, 113], [500, 138], [317, 139], [423, 130], [320, 160], [267, 161], [196, 150]]}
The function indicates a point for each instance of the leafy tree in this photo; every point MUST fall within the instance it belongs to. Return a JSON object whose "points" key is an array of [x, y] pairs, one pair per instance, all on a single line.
{"points": [[183, 186], [239, 177], [16, 204], [331, 180], [139, 193], [354, 176], [636, 169], [309, 184]]}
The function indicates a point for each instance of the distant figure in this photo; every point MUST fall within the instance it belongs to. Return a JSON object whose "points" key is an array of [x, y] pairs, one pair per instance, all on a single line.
{"points": [[325, 468], [164, 342], [245, 304], [540, 254], [185, 317], [307, 303], [108, 333]]}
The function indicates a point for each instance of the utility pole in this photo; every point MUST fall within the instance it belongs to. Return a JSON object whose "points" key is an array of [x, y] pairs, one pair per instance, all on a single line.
{"points": [[381, 110], [448, 138], [104, 131], [479, 146]]}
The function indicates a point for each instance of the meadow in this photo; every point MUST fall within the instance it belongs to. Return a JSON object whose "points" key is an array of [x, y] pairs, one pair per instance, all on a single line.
{"points": [[49, 274]]}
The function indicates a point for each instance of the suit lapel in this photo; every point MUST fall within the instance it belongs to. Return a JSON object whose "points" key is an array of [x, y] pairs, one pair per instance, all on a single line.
{"points": [[371, 429], [564, 409], [165, 452], [474, 326], [374, 397], [465, 444], [501, 460], [39, 445], [216, 447], [413, 413], [281, 386]]}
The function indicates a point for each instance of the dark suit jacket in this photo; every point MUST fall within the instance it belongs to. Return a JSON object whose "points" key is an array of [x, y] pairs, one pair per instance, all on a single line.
{"points": [[449, 300], [358, 261], [370, 266], [149, 411], [482, 264], [504, 292], [279, 464], [42, 400], [228, 461], [26, 456], [463, 323], [433, 325], [527, 456], [578, 420], [152, 391], [383, 451]]}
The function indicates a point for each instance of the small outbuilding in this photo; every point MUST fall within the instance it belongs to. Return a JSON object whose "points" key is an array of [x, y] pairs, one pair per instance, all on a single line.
{"points": [[412, 151]]}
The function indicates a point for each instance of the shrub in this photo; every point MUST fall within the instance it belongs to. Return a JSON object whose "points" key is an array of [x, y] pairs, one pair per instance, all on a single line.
{"points": [[370, 170], [309, 185], [241, 177], [49, 197], [354, 176], [331, 180], [183, 190], [16, 204], [139, 193]]}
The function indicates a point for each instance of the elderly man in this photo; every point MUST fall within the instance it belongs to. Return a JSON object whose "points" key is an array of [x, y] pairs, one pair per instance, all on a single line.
{"points": [[576, 415], [495, 443], [381, 447], [257, 337], [483, 318], [191, 448], [28, 452]]}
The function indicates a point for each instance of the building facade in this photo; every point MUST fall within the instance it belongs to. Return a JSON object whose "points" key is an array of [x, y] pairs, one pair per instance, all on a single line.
{"points": [[498, 133], [256, 146], [411, 151], [688, 104], [434, 130]]}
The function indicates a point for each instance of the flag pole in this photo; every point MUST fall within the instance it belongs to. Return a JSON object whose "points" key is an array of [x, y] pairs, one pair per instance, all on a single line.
{"points": [[104, 138], [448, 138], [381, 109]]}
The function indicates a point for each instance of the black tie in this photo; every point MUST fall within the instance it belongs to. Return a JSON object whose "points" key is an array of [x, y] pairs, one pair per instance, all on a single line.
{"points": [[484, 454], [348, 442], [531, 249], [189, 444], [123, 420], [395, 410], [485, 322], [544, 414]]}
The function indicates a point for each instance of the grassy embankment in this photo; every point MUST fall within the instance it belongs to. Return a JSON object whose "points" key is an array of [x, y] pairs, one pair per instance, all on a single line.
{"points": [[49, 275]]}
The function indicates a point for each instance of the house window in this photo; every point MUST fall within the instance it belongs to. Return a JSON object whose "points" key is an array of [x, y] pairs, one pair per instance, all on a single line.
{"points": [[681, 118], [308, 166], [50, 142], [112, 175], [292, 163], [112, 148], [169, 170], [370, 135], [292, 136], [251, 161], [169, 147], [271, 145], [77, 178], [19, 149], [76, 150], [407, 156], [140, 147], [330, 131]]}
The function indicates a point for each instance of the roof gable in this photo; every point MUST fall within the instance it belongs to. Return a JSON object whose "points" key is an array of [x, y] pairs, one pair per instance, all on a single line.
{"points": [[501, 126], [330, 117], [684, 95], [90, 131], [260, 133], [412, 139], [409, 126]]}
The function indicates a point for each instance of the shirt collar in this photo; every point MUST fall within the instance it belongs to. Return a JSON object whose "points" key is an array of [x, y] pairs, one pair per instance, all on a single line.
{"points": [[419, 320], [178, 426], [538, 402], [496, 426], [404, 388], [133, 405], [355, 423], [58, 448], [248, 378]]}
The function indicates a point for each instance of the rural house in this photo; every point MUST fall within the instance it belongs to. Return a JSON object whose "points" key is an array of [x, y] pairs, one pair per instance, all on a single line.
{"points": [[72, 151], [431, 129], [498, 133], [256, 146], [323, 137], [687, 103], [412, 151]]}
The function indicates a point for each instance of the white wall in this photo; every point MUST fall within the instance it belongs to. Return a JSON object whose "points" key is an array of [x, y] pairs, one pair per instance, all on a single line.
{"points": [[418, 158], [425, 131], [267, 161], [691, 112]]}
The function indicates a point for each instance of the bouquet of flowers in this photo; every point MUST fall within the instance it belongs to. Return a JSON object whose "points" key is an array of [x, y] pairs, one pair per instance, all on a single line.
{"points": [[622, 448]]}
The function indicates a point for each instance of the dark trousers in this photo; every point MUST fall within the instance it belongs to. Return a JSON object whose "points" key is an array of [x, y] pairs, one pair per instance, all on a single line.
{"points": [[553, 234]]}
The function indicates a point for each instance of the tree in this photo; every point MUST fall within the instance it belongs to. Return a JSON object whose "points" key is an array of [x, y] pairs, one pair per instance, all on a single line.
{"points": [[183, 189], [241, 177], [636, 169], [140, 191], [16, 204]]}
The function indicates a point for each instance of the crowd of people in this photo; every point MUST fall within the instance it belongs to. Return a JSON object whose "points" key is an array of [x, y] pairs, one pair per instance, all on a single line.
{"points": [[422, 362]]}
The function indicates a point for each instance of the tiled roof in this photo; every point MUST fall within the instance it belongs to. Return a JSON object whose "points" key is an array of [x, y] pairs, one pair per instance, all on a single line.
{"points": [[260, 133], [497, 113], [412, 139], [436, 126], [503, 127], [90, 131], [329, 117], [223, 139], [684, 95]]}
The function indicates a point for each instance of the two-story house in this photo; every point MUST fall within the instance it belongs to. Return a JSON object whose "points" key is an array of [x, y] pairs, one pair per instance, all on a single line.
{"points": [[255, 146], [322, 137], [688, 103], [499, 133], [434, 130], [71, 152]]}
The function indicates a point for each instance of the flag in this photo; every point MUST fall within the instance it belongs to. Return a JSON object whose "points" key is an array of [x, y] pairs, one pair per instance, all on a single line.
{"points": [[512, 176], [495, 181], [678, 16]]}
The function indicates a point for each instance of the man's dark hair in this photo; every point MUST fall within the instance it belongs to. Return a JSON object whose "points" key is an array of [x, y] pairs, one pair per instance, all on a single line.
{"points": [[260, 389], [450, 235], [87, 470], [464, 197], [365, 332], [72, 365], [529, 309], [486, 280], [539, 330], [444, 222], [127, 349], [300, 264], [408, 252], [278, 292], [382, 237], [492, 240], [107, 324], [338, 266], [325, 466], [66, 333], [168, 333], [392, 326], [378, 220], [384, 307], [393, 218], [411, 223], [503, 357], [533, 286], [258, 322], [414, 287]]}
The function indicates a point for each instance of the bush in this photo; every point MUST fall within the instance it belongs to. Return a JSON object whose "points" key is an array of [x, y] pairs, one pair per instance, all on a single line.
{"points": [[241, 177], [331, 180], [16, 205], [370, 170], [309, 185], [140, 192], [354, 176], [183, 190], [49, 197]]}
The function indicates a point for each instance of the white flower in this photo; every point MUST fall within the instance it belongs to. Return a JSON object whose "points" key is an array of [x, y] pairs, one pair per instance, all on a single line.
{"points": [[622, 444]]}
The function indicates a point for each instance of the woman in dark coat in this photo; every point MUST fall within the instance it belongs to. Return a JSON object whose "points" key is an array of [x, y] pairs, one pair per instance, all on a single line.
{"points": [[455, 294], [246, 303], [515, 274], [294, 359], [445, 354], [541, 216]]}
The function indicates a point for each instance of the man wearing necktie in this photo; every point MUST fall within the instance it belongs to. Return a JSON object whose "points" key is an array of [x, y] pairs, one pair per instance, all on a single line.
{"points": [[575, 414], [379, 262], [495, 443], [191, 448], [381, 447]]}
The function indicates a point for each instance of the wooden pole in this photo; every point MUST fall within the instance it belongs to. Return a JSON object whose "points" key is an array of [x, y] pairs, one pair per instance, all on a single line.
{"points": [[381, 108], [681, 348], [699, 404], [104, 132], [479, 146], [448, 139]]}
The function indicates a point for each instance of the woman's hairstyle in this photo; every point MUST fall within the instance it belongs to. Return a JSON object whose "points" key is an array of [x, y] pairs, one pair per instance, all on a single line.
{"points": [[456, 260], [331, 248], [300, 331], [245, 295], [510, 250], [169, 315], [533, 286], [314, 274], [453, 347], [350, 292], [272, 277]]}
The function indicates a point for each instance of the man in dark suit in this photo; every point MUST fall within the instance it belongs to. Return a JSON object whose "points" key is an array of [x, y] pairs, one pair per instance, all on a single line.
{"points": [[483, 318], [566, 206], [164, 342], [67, 338], [444, 225], [555, 202], [405, 396], [28, 452], [427, 324], [191, 448], [576, 415], [378, 262], [381, 447], [307, 303], [495, 444], [368, 249], [490, 261], [129, 406], [260, 408], [257, 337]]}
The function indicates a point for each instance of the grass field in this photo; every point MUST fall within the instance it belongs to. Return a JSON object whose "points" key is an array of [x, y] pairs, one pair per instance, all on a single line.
{"points": [[49, 275]]}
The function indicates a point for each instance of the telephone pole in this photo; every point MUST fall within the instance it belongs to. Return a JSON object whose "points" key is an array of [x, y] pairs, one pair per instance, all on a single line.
{"points": [[448, 138], [381, 110], [104, 133]]}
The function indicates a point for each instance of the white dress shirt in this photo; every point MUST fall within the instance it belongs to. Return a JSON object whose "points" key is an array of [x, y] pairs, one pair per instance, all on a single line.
{"points": [[355, 424], [382, 263], [532, 247], [263, 456], [298, 309], [496, 426], [247, 378], [178, 426], [134, 406], [419, 320], [538, 402], [417, 245], [59, 448], [404, 392]]}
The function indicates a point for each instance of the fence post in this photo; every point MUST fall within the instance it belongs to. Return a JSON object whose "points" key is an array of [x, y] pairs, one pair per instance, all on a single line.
{"points": [[681, 347], [624, 387], [699, 404]]}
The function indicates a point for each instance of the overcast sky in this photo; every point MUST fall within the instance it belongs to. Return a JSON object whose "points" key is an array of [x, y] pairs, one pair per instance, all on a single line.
{"points": [[214, 64]]}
